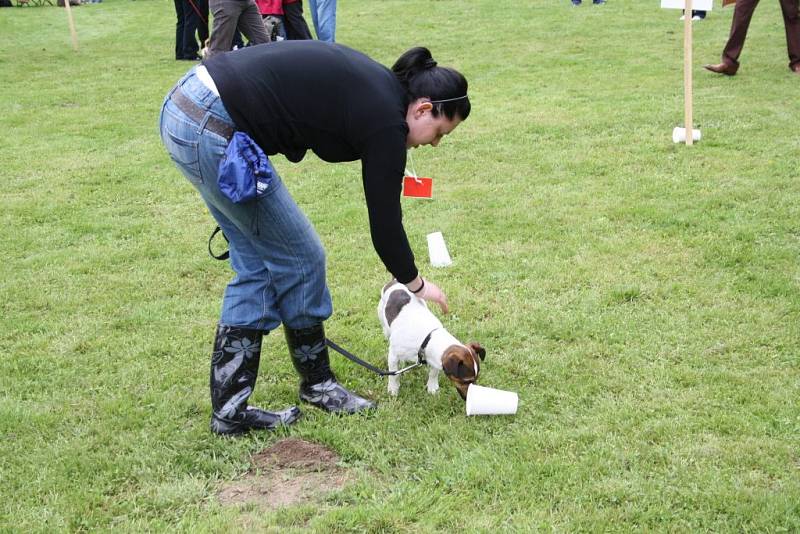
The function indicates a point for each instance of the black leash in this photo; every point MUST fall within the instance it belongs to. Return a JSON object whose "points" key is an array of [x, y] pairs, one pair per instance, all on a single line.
{"points": [[352, 357], [376, 370], [225, 255]]}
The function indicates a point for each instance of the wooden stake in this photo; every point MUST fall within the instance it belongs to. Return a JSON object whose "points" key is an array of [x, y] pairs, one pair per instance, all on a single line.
{"points": [[72, 32], [687, 72]]}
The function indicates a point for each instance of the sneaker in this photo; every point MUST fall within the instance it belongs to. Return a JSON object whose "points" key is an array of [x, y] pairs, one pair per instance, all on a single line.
{"points": [[576, 3], [683, 17], [599, 2], [697, 17]]}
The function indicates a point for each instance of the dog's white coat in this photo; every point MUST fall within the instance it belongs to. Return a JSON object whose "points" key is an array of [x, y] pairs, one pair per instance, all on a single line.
{"points": [[407, 333]]}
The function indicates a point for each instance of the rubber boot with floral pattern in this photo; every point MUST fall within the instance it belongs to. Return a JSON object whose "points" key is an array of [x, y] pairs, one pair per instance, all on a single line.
{"points": [[318, 385], [234, 368]]}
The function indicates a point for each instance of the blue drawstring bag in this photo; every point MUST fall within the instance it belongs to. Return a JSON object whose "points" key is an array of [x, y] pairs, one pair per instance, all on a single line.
{"points": [[242, 169]]}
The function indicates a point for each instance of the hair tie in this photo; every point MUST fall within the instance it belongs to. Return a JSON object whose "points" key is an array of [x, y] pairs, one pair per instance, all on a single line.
{"points": [[429, 63]]}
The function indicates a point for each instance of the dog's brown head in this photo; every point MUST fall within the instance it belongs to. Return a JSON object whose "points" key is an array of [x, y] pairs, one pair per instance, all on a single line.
{"points": [[462, 365]]}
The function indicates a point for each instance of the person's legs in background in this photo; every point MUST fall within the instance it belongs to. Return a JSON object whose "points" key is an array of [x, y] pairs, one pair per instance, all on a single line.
{"points": [[238, 41], [697, 14], [742, 14], [179, 29], [296, 26], [791, 22], [251, 25], [323, 14], [281, 34], [193, 22], [275, 27], [202, 29], [230, 16], [226, 15]]}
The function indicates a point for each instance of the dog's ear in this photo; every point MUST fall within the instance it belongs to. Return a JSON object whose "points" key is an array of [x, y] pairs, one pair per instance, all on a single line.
{"points": [[457, 364], [476, 347], [456, 368], [450, 363], [392, 282]]}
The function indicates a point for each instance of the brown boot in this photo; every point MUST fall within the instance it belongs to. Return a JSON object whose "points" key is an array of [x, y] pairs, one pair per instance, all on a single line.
{"points": [[723, 68]]}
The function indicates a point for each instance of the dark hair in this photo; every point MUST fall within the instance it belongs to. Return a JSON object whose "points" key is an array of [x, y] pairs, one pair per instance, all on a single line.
{"points": [[422, 78]]}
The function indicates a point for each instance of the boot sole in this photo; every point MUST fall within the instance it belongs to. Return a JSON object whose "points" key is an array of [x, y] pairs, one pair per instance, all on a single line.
{"points": [[340, 412], [241, 428]]}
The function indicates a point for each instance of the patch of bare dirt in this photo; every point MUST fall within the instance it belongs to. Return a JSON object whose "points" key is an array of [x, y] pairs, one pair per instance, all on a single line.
{"points": [[292, 471]]}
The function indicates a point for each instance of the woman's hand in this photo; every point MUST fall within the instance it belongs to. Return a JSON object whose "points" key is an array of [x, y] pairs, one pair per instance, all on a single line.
{"points": [[427, 290]]}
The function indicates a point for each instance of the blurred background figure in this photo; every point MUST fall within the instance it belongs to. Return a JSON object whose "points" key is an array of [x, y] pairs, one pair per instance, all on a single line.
{"points": [[296, 26], [192, 25], [697, 14], [230, 16], [323, 14], [742, 13], [272, 15]]}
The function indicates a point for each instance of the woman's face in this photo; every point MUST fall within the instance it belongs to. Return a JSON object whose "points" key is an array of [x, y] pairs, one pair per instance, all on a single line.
{"points": [[423, 127]]}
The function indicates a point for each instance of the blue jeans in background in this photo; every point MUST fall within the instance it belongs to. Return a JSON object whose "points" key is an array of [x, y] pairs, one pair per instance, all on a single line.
{"points": [[275, 252], [323, 14]]}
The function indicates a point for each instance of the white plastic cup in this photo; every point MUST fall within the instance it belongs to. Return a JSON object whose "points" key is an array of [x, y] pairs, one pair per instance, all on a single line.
{"points": [[489, 401], [437, 250], [679, 135]]}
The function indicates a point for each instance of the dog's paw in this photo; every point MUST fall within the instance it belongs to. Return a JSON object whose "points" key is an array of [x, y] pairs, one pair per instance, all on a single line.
{"points": [[393, 389], [433, 388]]}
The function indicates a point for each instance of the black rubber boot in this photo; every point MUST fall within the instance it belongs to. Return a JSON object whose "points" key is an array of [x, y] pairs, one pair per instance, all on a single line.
{"points": [[318, 385], [234, 368]]}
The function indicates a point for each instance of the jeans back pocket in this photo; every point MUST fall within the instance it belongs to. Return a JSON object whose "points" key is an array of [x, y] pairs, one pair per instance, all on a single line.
{"points": [[181, 140]]}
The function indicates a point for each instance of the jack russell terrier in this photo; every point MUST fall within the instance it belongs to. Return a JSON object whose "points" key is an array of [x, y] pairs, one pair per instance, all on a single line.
{"points": [[415, 334]]}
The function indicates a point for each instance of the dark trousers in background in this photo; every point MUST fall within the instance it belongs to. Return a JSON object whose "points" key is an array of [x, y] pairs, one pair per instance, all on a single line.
{"points": [[742, 14], [296, 25], [192, 25], [230, 16]]}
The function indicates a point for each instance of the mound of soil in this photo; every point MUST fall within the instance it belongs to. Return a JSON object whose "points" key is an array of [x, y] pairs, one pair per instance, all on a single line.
{"points": [[296, 453], [292, 471]]}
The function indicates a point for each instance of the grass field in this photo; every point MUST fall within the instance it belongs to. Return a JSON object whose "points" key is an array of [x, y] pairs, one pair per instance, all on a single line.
{"points": [[642, 297]]}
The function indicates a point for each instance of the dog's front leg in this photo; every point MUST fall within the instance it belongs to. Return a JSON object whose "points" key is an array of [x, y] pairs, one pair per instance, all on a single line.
{"points": [[394, 381], [433, 380]]}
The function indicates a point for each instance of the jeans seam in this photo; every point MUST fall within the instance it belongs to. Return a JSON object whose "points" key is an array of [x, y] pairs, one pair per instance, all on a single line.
{"points": [[299, 264]]}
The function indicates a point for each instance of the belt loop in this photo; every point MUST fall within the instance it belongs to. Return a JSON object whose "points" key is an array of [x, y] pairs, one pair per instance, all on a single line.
{"points": [[202, 125]]}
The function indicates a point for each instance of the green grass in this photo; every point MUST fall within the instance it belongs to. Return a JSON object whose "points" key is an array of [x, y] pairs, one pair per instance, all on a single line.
{"points": [[642, 297]]}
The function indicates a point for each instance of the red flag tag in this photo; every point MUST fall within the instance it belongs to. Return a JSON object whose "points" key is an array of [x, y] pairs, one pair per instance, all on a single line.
{"points": [[417, 187]]}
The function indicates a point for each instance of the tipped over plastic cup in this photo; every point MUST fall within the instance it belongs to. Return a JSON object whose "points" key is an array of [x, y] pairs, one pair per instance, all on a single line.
{"points": [[489, 401], [679, 135], [437, 250]]}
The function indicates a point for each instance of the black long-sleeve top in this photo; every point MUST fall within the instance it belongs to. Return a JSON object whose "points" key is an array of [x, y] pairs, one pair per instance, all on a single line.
{"points": [[291, 96]]}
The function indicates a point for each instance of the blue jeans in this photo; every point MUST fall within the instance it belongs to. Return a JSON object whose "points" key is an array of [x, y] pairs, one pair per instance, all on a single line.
{"points": [[275, 252], [323, 14]]}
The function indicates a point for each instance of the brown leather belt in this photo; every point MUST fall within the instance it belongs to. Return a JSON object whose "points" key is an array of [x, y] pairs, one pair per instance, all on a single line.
{"points": [[198, 114]]}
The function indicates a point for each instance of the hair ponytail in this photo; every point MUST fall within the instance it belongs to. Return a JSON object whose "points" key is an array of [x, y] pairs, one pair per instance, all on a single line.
{"points": [[419, 74]]}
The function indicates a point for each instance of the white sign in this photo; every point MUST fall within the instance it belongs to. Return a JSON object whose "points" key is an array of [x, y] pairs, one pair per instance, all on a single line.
{"points": [[701, 5]]}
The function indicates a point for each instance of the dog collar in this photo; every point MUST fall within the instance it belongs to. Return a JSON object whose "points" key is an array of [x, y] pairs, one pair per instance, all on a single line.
{"points": [[421, 352]]}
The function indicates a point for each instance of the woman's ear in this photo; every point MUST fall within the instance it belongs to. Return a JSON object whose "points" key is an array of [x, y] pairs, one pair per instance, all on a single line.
{"points": [[421, 106]]}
